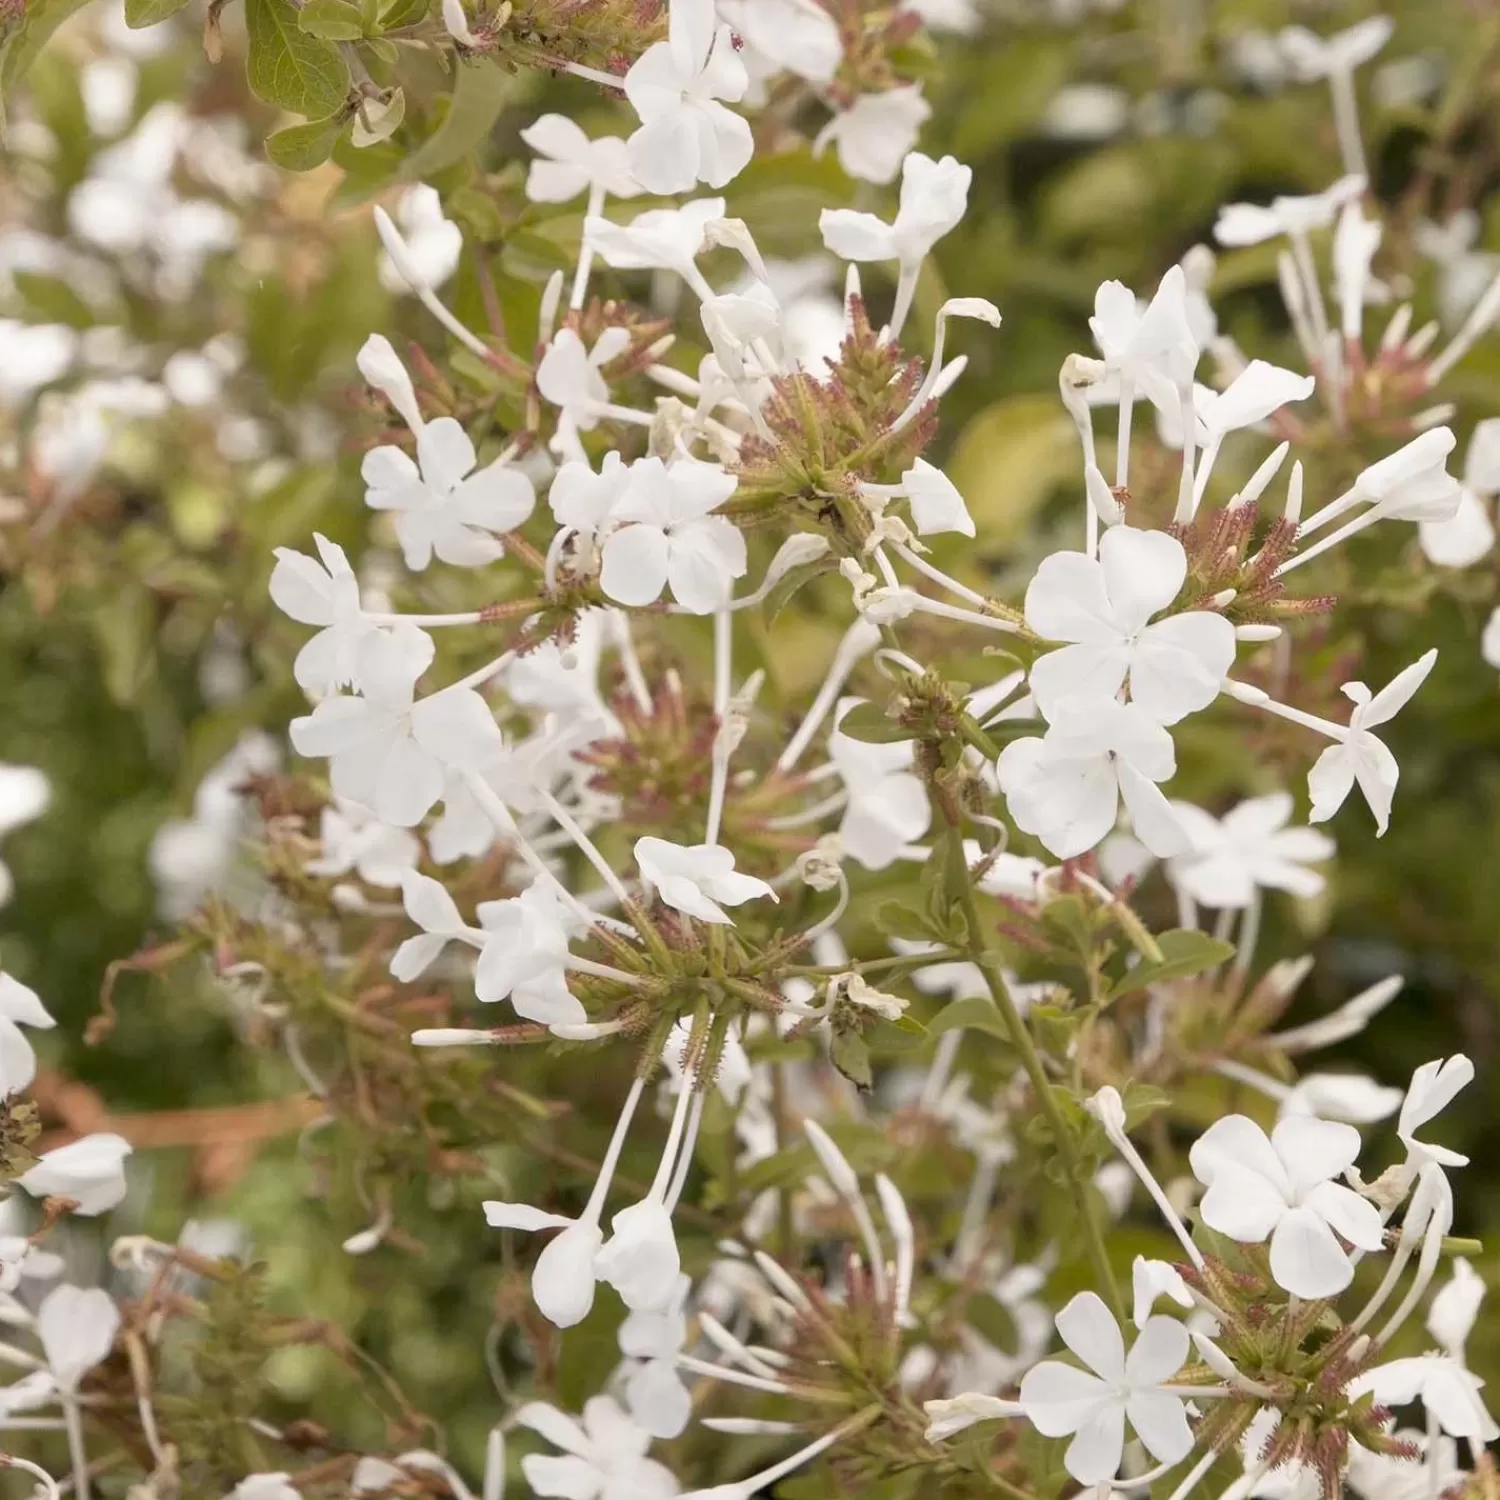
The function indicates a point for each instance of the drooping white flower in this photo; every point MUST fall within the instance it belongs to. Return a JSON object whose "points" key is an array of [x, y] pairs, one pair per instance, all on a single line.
{"points": [[1103, 608], [734, 321], [873, 136], [1151, 350], [1250, 848], [1433, 1088], [687, 135], [1469, 533], [603, 1458], [388, 750], [695, 878], [569, 163], [654, 1391], [887, 810], [640, 1259], [325, 594], [1066, 788], [1361, 757], [1093, 1405], [433, 243], [525, 954], [1449, 1392], [91, 1171], [442, 504], [666, 535], [797, 35], [20, 1005], [1283, 1189], [936, 505], [24, 795], [356, 842]]}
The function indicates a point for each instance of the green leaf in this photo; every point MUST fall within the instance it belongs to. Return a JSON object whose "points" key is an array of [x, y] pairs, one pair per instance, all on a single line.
{"points": [[300, 148], [142, 13], [976, 1013], [992, 1320], [851, 1057], [481, 91], [286, 67], [1010, 458], [332, 20], [898, 919], [54, 299], [867, 721], [402, 13], [19, 48], [1185, 951]]}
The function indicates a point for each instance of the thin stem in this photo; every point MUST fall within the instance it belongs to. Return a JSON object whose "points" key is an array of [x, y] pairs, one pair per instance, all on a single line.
{"points": [[77, 1453], [1346, 120], [586, 249], [595, 1206], [723, 667], [565, 820]]}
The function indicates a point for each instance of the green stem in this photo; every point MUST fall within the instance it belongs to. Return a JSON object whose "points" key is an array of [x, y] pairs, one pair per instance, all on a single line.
{"points": [[1021, 1040]]}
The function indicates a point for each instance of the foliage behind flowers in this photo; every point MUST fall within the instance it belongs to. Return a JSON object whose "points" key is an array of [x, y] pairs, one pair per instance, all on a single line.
{"points": [[661, 666]]}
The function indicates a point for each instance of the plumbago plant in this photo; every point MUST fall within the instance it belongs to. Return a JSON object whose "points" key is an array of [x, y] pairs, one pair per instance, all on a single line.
{"points": [[1014, 1183]]}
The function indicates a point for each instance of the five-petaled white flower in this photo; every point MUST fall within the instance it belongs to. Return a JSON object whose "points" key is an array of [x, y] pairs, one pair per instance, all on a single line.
{"points": [[356, 842], [569, 163], [325, 594], [442, 505], [887, 809], [1093, 1405], [603, 1458], [569, 377], [686, 135], [1253, 223], [388, 750], [1283, 1189], [1104, 607], [661, 239], [873, 136], [1152, 349], [1360, 757], [1249, 849], [695, 878], [1066, 788], [665, 534]]}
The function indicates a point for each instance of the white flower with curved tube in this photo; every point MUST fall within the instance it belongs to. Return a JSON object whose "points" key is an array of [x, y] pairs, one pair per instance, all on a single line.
{"points": [[887, 810], [694, 878], [603, 1458], [934, 195], [686, 135], [569, 163], [665, 534], [1093, 1405], [1066, 788], [874, 135], [20, 1005], [1283, 1189], [1469, 533], [442, 505], [325, 594], [1360, 757], [1413, 483], [387, 750], [432, 246], [1249, 849], [90, 1171], [1103, 608]]}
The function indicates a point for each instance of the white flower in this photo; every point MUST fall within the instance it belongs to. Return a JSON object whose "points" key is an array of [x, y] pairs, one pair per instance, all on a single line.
{"points": [[936, 505], [442, 504], [32, 355], [934, 195], [77, 1329], [604, 1457], [91, 1171], [1259, 390], [1413, 483], [694, 878], [959, 1413], [654, 1391], [686, 135], [1448, 1391], [433, 243], [873, 136], [798, 35], [525, 954], [1282, 1189], [1349, 1097], [1313, 56], [326, 595], [1066, 788], [24, 795], [20, 1005], [640, 1259], [1451, 1317], [1151, 349], [1093, 1405], [1355, 242], [665, 534], [1174, 667], [569, 163], [562, 1281], [1469, 533], [381, 367], [661, 239], [388, 751], [1252, 223], [947, 15], [1433, 1088], [1361, 757], [1150, 1280], [584, 501], [356, 841], [273, 1486], [1489, 649], [1377, 1476], [887, 808], [1249, 849]]}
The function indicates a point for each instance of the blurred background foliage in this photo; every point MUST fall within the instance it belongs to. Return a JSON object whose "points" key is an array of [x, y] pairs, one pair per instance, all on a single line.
{"points": [[138, 645]]}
